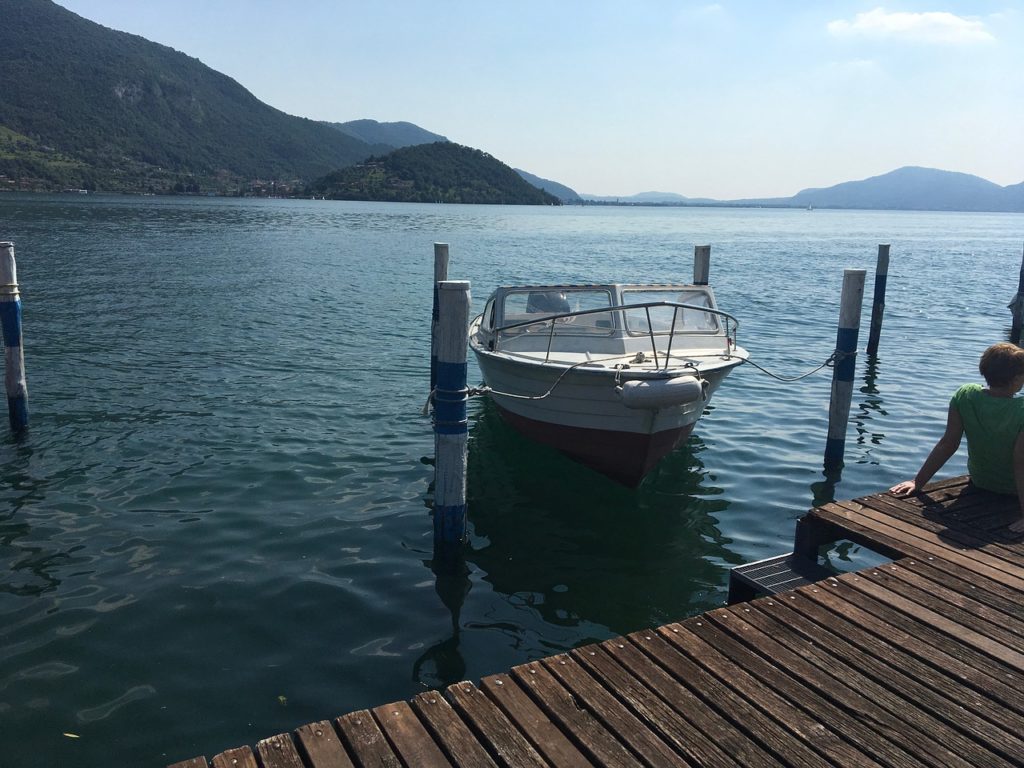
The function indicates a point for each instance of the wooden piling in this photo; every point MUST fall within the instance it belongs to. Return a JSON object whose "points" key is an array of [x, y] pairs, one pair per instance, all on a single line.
{"points": [[1017, 307], [845, 364], [440, 274], [701, 264], [451, 429], [878, 303], [14, 355]]}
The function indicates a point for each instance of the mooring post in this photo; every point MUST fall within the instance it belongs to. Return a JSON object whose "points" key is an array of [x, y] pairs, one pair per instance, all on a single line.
{"points": [[14, 355], [440, 273], [1017, 307], [451, 428], [701, 264], [878, 303], [850, 303]]}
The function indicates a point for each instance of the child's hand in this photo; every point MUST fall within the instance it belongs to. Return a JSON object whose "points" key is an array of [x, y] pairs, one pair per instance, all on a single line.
{"points": [[905, 488]]}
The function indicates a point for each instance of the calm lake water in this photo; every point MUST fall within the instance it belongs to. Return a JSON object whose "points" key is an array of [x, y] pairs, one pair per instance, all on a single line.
{"points": [[218, 526]]}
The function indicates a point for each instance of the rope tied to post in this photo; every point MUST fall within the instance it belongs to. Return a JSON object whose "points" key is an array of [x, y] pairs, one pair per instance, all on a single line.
{"points": [[837, 356]]}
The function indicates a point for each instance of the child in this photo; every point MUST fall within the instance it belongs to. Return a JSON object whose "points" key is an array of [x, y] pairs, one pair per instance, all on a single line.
{"points": [[994, 422]]}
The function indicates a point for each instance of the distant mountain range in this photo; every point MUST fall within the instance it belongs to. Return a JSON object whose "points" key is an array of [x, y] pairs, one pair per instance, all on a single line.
{"points": [[83, 106], [908, 188]]}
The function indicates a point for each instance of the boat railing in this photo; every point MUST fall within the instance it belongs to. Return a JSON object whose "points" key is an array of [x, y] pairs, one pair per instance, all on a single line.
{"points": [[730, 325]]}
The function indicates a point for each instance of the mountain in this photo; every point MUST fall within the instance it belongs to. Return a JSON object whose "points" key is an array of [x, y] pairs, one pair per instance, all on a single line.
{"points": [[918, 189], [396, 135], [83, 105], [560, 191], [908, 188], [647, 198], [428, 173]]}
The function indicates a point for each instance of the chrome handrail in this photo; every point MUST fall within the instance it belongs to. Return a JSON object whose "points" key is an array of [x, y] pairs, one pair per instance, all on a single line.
{"points": [[730, 332]]}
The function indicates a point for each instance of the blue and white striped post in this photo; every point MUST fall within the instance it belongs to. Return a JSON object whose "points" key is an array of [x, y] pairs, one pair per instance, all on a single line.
{"points": [[878, 304], [451, 427], [440, 274], [850, 303], [701, 264], [14, 356]]}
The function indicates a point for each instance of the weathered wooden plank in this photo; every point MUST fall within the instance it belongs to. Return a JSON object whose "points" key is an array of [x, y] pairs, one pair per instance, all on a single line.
{"points": [[449, 731], [953, 576], [712, 725], [917, 531], [905, 674], [965, 506], [240, 757], [917, 543], [693, 743], [955, 533], [789, 733], [511, 749], [820, 664], [947, 727], [572, 716], [194, 762], [530, 721], [936, 620], [365, 741], [408, 737], [812, 692], [1008, 627], [322, 746], [630, 730], [279, 752], [914, 646]]}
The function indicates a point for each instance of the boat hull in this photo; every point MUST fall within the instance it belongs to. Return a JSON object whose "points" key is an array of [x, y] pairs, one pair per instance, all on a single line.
{"points": [[581, 413], [625, 457]]}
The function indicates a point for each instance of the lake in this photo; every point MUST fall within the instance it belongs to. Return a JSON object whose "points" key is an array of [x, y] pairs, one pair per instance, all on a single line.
{"points": [[218, 525]]}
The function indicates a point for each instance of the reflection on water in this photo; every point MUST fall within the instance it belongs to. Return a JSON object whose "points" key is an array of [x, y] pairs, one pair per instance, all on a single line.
{"points": [[442, 663], [565, 547], [579, 548], [870, 411]]}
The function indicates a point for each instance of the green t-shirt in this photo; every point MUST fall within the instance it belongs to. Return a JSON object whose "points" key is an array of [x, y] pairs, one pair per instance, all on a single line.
{"points": [[992, 425]]}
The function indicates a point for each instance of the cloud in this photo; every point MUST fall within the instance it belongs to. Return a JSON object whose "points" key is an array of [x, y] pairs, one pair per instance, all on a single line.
{"points": [[928, 27]]}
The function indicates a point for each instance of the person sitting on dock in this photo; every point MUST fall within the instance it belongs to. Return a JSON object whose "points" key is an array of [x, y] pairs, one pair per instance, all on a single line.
{"points": [[993, 420]]}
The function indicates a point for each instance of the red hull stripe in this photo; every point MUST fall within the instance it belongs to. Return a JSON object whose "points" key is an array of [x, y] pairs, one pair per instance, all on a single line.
{"points": [[625, 457]]}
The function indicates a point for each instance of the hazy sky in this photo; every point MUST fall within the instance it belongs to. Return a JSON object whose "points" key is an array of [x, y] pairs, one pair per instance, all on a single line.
{"points": [[730, 99]]}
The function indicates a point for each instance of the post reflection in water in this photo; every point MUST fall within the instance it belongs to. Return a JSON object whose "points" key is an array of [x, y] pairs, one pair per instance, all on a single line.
{"points": [[30, 560], [442, 663], [577, 557], [870, 408]]}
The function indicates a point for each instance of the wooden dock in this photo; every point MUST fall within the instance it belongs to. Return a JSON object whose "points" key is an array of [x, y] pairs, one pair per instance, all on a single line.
{"points": [[919, 662]]}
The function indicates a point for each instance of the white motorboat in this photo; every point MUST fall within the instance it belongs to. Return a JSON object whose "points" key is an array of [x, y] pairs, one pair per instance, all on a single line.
{"points": [[615, 376]]}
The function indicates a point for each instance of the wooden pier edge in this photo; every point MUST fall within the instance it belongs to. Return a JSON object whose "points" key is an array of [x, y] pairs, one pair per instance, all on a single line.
{"points": [[916, 662]]}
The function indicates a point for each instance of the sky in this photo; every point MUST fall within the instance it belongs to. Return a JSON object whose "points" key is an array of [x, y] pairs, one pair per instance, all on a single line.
{"points": [[752, 98]]}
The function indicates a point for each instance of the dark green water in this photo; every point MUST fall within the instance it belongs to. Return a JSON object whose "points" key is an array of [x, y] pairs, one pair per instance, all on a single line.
{"points": [[218, 526]]}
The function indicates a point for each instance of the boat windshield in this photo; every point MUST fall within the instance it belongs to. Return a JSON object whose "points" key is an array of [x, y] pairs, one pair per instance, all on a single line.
{"points": [[661, 318], [541, 303]]}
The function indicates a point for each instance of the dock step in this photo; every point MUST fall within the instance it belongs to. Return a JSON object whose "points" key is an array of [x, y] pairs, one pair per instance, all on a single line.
{"points": [[773, 575]]}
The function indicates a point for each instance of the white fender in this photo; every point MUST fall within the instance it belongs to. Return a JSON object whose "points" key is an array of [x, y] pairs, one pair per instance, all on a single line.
{"points": [[662, 393]]}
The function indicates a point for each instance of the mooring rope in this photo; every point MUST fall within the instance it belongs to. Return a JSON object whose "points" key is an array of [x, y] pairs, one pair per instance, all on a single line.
{"points": [[829, 362]]}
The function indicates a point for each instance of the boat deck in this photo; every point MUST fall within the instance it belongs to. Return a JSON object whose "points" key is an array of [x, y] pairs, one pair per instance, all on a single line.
{"points": [[917, 662]]}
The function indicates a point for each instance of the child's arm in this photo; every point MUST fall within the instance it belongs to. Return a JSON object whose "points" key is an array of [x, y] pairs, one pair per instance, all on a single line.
{"points": [[1017, 526], [939, 455]]}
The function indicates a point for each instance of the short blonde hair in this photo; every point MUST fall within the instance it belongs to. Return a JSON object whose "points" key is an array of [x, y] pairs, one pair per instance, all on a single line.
{"points": [[1001, 363]]}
